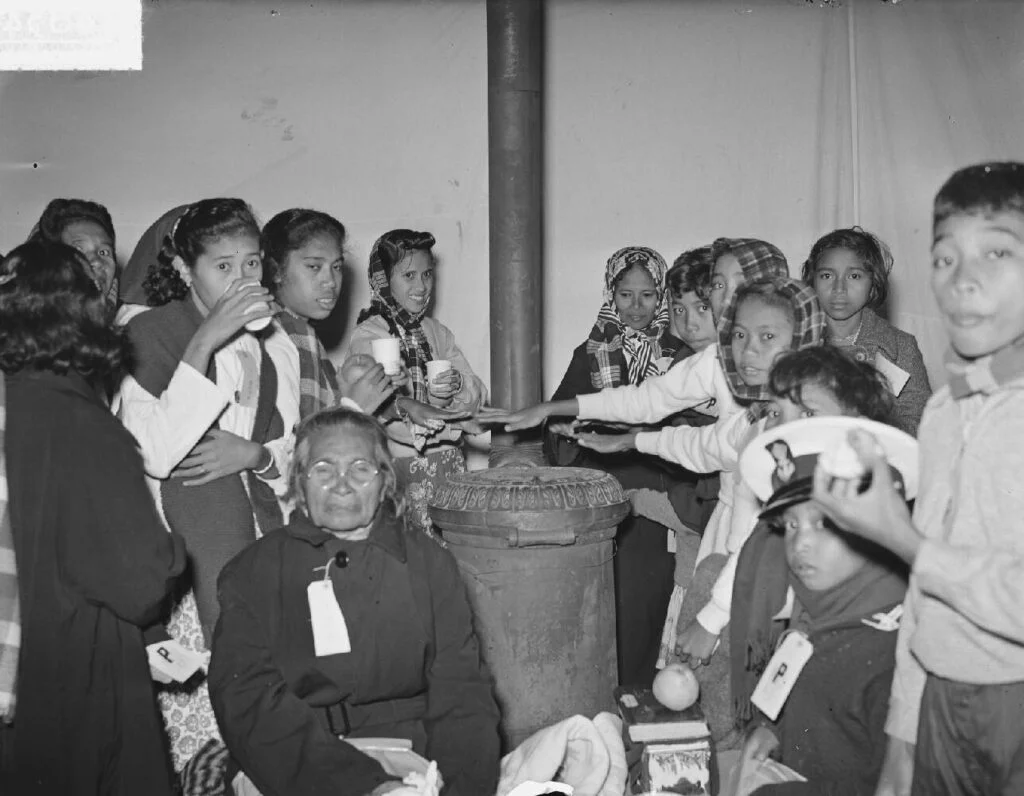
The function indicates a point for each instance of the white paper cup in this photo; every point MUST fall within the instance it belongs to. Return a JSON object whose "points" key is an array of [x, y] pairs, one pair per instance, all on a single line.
{"points": [[258, 324], [387, 351], [435, 367]]}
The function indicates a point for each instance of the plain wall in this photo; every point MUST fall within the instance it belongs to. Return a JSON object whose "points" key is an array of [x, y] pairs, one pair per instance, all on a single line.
{"points": [[667, 124]]}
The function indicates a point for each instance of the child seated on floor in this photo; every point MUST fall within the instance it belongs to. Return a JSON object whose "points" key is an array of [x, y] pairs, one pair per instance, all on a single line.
{"points": [[827, 605], [955, 714]]}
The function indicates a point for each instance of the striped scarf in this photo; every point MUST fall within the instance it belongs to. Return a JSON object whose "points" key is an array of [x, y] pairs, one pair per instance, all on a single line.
{"points": [[612, 343], [401, 324], [318, 382], [10, 611]]}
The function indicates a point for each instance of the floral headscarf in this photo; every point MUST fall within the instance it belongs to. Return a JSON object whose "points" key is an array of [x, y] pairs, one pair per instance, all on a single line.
{"points": [[809, 330], [613, 343]]}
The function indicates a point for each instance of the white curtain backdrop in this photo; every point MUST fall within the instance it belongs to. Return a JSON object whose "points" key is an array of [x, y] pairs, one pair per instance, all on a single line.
{"points": [[668, 123]]}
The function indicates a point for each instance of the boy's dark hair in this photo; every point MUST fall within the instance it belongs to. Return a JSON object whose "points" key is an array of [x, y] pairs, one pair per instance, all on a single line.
{"points": [[206, 221], [59, 213], [290, 230], [858, 386], [982, 189], [691, 273], [54, 316], [769, 294], [872, 252]]}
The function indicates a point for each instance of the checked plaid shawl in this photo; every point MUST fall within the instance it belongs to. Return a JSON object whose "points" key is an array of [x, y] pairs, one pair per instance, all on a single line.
{"points": [[612, 343], [809, 331], [318, 382], [10, 611]]}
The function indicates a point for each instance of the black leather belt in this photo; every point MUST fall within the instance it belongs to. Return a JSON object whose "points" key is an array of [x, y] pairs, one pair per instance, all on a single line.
{"points": [[343, 718]]}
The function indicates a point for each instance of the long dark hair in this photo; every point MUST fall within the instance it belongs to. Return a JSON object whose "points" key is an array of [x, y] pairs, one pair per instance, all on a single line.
{"points": [[206, 221], [288, 231], [872, 252], [55, 318]]}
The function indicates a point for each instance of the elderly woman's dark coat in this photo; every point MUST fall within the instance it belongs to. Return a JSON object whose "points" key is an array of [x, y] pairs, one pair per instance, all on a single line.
{"points": [[414, 670], [94, 566]]}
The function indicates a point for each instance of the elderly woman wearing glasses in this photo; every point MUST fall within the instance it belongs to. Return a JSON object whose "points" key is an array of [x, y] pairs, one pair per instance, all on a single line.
{"points": [[346, 624]]}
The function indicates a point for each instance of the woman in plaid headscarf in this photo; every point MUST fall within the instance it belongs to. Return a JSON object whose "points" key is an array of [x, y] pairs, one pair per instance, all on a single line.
{"points": [[628, 344], [423, 434]]}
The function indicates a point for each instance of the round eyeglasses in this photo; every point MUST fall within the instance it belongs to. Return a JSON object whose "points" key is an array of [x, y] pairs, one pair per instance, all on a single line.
{"points": [[326, 475]]}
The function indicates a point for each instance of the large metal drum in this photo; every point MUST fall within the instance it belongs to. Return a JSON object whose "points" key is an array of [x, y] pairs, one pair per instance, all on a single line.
{"points": [[535, 546]]}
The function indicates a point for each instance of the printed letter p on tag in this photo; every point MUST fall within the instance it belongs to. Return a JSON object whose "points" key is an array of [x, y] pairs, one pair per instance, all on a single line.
{"points": [[783, 670]]}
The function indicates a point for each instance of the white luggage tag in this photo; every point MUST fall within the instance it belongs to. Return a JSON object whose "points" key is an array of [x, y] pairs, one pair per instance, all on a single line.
{"points": [[173, 660], [781, 675], [896, 375], [330, 633]]}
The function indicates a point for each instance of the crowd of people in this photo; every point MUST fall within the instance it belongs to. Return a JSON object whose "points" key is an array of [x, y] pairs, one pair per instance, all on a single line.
{"points": [[187, 475]]}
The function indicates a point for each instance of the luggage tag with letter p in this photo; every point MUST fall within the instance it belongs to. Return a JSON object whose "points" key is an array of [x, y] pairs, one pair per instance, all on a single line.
{"points": [[780, 676], [173, 660], [330, 633]]}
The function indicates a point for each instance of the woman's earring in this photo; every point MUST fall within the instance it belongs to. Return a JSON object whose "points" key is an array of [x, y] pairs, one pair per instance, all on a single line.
{"points": [[182, 269]]}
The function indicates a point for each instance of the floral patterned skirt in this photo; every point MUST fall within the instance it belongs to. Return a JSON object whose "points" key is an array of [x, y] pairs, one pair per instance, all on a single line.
{"points": [[419, 476], [187, 712]]}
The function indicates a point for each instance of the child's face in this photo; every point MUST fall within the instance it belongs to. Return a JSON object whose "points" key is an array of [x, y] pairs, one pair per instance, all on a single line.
{"points": [[842, 283], [312, 276], [222, 262], [978, 280], [636, 298], [815, 401], [817, 553], [692, 321], [412, 281], [726, 276], [93, 241], [759, 334]]}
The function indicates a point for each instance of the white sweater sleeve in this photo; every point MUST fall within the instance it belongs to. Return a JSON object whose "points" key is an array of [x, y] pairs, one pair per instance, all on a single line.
{"points": [[714, 616], [701, 449], [685, 385], [168, 427]]}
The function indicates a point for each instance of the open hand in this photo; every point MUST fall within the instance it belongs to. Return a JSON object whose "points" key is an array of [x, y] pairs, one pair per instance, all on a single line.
{"points": [[696, 645], [759, 744], [563, 429], [220, 453], [431, 416], [531, 417], [879, 513], [607, 443]]}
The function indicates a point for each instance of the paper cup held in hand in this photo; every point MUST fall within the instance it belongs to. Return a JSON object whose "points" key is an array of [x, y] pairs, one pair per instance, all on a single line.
{"points": [[258, 324], [387, 351], [436, 367]]}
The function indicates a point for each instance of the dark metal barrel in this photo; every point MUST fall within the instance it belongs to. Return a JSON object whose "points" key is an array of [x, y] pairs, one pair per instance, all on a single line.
{"points": [[535, 546]]}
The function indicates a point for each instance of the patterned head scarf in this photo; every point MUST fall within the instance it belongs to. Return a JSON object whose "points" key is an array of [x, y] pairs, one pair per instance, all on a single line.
{"points": [[612, 342], [401, 323], [809, 330], [759, 260], [145, 256]]}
